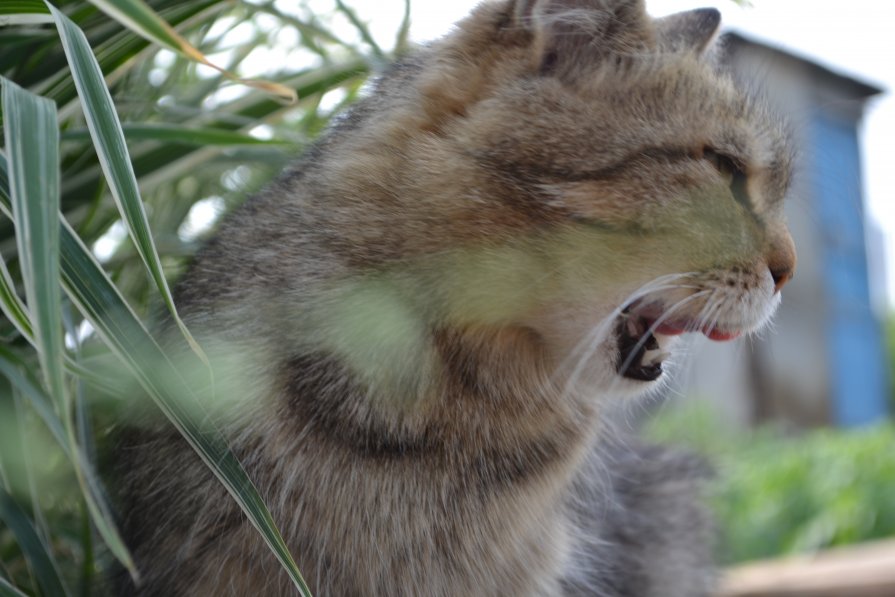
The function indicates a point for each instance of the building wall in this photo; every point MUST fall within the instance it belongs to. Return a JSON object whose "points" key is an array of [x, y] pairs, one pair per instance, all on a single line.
{"points": [[821, 361], [854, 336]]}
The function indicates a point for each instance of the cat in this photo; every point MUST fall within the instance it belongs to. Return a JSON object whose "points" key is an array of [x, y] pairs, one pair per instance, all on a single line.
{"points": [[421, 329]]}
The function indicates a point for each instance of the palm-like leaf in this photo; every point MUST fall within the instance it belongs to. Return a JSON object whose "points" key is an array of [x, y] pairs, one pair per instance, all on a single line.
{"points": [[182, 137]]}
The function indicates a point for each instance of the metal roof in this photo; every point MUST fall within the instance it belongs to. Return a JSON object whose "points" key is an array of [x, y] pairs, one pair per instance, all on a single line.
{"points": [[857, 88]]}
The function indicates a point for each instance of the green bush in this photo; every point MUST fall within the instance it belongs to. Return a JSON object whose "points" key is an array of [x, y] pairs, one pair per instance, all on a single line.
{"points": [[777, 495], [890, 358]]}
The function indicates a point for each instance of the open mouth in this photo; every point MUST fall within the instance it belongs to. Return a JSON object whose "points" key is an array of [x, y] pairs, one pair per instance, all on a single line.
{"points": [[640, 353]]}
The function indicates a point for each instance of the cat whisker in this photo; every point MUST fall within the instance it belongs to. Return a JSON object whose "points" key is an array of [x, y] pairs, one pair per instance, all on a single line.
{"points": [[712, 305], [710, 319], [656, 324], [600, 333], [656, 285], [589, 344]]}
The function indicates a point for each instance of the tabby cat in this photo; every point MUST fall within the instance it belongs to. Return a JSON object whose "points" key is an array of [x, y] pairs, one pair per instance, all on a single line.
{"points": [[419, 330]]}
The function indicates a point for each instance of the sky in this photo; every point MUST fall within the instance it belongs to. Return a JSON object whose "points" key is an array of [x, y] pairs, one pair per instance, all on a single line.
{"points": [[853, 37]]}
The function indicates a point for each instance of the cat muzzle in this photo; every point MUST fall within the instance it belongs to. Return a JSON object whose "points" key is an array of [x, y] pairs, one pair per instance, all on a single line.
{"points": [[640, 353]]}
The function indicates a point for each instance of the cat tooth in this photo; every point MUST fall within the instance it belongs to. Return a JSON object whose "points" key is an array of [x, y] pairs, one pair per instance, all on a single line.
{"points": [[652, 357], [649, 358], [632, 327]]}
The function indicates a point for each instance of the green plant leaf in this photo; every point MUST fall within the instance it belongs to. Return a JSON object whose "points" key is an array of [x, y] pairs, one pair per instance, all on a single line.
{"points": [[141, 19], [17, 373], [10, 303], [11, 7], [108, 138], [180, 135], [403, 36], [23, 12], [100, 302], [32, 144], [39, 557], [172, 171], [98, 299], [25, 19], [170, 161], [7, 590], [15, 311], [12, 306], [363, 30]]}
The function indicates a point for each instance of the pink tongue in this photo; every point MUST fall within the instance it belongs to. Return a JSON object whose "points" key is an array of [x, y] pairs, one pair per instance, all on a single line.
{"points": [[720, 336], [669, 329]]}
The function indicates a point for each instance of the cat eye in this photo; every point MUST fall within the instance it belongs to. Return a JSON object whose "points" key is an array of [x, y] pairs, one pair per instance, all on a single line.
{"points": [[732, 172]]}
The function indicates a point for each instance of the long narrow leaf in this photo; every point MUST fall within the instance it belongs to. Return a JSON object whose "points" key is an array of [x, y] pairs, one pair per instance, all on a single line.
{"points": [[166, 163], [181, 135], [115, 53], [141, 19], [17, 313], [31, 481], [7, 590], [363, 30], [105, 128], [401, 40], [100, 302], [98, 299], [10, 303], [25, 19], [32, 143], [16, 372], [11, 7], [34, 549], [85, 435], [23, 12], [11, 306]]}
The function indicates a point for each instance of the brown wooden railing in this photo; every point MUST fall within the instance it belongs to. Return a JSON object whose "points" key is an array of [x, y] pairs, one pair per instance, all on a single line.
{"points": [[866, 570]]}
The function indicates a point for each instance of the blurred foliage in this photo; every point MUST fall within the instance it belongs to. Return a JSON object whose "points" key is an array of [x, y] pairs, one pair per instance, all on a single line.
{"points": [[778, 494], [890, 358], [199, 145], [169, 105]]}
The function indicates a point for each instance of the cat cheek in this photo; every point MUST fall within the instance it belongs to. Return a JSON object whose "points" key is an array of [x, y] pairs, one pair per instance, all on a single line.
{"points": [[614, 205]]}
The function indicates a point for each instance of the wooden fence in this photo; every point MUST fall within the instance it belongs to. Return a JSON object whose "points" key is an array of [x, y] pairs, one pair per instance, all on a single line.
{"points": [[866, 570]]}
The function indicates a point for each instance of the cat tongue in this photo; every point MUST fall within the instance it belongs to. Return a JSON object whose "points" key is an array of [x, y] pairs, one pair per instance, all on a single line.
{"points": [[720, 336], [672, 328]]}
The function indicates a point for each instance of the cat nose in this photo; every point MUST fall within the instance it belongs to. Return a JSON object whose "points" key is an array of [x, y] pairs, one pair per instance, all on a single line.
{"points": [[782, 260], [781, 277]]}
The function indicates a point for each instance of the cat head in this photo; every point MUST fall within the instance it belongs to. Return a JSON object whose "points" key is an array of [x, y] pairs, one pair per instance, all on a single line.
{"points": [[578, 169]]}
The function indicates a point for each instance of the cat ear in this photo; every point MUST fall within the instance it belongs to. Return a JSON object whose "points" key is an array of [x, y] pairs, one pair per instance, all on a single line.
{"points": [[526, 9], [689, 31], [570, 33]]}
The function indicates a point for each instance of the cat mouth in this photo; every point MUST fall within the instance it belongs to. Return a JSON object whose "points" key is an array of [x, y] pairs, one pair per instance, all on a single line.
{"points": [[640, 331]]}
